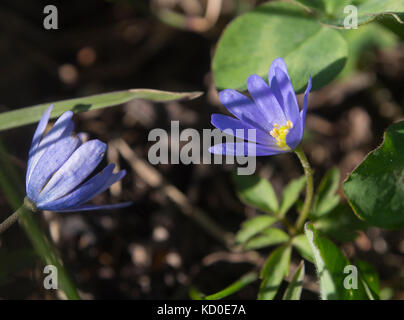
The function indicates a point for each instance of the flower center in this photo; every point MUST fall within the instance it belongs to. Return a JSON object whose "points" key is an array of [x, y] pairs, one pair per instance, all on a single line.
{"points": [[280, 133]]}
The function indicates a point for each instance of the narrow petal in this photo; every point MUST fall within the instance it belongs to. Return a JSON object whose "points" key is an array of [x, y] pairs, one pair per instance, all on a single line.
{"points": [[239, 129], [305, 104], [94, 186], [294, 137], [77, 168], [63, 127], [278, 63], [266, 101], [241, 106], [40, 129], [90, 207], [244, 149], [291, 107], [52, 159]]}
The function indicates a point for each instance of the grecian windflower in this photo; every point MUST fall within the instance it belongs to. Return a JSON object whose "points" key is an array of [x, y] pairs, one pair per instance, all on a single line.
{"points": [[273, 112], [59, 164]]}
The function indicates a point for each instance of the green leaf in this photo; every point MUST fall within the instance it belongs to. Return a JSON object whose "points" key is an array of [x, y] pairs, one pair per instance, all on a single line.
{"points": [[330, 264], [256, 192], [371, 9], [253, 226], [361, 41], [370, 279], [331, 12], [302, 245], [234, 287], [273, 272], [294, 289], [266, 238], [27, 115], [276, 29], [326, 7], [325, 199], [375, 189], [340, 224], [291, 194]]}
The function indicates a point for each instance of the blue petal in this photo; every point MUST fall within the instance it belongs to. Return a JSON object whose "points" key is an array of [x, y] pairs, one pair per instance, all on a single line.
{"points": [[305, 104], [278, 63], [94, 186], [63, 127], [244, 149], [81, 163], [239, 129], [266, 102], [242, 107], [294, 137], [89, 207], [291, 107], [52, 159], [40, 129]]}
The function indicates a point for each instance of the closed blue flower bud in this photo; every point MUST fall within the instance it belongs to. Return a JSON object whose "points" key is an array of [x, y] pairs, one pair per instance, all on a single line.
{"points": [[59, 164]]}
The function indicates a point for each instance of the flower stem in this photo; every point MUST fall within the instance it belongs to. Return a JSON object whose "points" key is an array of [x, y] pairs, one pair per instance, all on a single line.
{"points": [[10, 220], [309, 188], [14, 217]]}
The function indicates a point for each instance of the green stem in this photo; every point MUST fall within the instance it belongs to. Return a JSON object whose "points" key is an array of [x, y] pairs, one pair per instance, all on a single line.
{"points": [[14, 217], [10, 220], [309, 188]]}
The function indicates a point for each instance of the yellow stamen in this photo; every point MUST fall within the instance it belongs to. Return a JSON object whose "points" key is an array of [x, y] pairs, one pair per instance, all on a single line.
{"points": [[280, 133]]}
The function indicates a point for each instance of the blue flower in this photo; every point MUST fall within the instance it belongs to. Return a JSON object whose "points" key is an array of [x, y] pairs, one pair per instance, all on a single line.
{"points": [[59, 164], [273, 114]]}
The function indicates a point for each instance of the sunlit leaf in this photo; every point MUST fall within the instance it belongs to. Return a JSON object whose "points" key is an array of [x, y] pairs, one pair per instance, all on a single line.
{"points": [[291, 194], [330, 265], [27, 115], [302, 245], [256, 192], [253, 226], [277, 29], [266, 238], [335, 12]]}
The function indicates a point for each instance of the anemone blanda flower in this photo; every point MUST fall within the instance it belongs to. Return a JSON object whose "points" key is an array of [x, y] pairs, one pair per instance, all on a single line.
{"points": [[273, 113], [59, 164]]}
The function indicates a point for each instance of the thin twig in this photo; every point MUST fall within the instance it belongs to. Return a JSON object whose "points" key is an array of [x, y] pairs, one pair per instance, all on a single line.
{"points": [[153, 178]]}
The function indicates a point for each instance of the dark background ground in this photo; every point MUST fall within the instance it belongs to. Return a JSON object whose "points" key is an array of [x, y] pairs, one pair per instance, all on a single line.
{"points": [[152, 250]]}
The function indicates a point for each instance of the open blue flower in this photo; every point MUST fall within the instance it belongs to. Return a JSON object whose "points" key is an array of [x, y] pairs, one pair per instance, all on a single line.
{"points": [[273, 113], [59, 164]]}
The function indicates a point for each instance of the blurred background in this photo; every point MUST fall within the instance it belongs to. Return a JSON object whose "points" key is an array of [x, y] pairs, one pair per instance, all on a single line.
{"points": [[153, 249]]}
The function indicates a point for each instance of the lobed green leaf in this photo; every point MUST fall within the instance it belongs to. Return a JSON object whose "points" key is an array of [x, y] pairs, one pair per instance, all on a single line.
{"points": [[256, 192], [294, 289], [273, 272], [325, 199], [330, 265], [253, 226], [266, 238]]}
